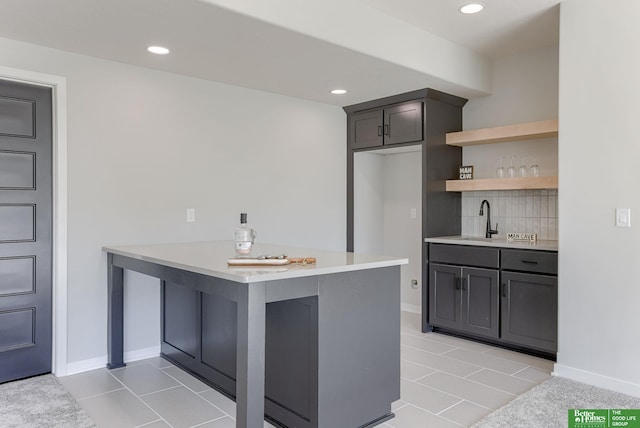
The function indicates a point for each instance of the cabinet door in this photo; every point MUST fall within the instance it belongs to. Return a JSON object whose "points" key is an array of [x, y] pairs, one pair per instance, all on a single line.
{"points": [[444, 295], [180, 320], [530, 310], [480, 301], [365, 129], [403, 123]]}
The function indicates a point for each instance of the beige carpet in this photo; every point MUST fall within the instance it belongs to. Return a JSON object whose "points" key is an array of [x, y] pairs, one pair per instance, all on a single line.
{"points": [[40, 402], [547, 405]]}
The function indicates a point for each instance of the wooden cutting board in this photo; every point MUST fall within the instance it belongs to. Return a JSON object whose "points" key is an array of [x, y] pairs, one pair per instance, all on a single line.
{"points": [[272, 262]]}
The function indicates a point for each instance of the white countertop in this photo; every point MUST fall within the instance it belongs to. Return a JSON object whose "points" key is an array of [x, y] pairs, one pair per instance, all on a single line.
{"points": [[494, 242], [210, 258]]}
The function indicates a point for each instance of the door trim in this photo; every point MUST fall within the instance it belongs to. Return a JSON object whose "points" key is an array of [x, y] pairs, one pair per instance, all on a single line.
{"points": [[58, 85]]}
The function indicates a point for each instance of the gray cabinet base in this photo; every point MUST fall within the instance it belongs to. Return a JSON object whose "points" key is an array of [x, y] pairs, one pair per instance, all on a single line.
{"points": [[498, 343], [331, 359]]}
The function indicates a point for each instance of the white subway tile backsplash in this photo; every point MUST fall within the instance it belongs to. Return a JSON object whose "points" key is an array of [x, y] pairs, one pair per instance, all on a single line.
{"points": [[544, 230], [522, 206], [536, 227], [553, 202], [536, 206], [529, 206], [528, 225], [502, 206], [552, 224], [528, 211]]}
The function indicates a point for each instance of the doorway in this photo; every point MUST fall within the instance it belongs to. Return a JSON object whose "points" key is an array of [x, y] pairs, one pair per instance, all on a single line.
{"points": [[387, 211]]}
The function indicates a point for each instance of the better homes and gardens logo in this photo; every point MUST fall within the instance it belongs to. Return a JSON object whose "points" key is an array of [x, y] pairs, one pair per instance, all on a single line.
{"points": [[604, 418], [588, 418]]}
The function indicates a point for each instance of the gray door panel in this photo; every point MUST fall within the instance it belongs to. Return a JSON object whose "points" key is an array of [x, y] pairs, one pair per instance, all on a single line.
{"points": [[25, 230]]}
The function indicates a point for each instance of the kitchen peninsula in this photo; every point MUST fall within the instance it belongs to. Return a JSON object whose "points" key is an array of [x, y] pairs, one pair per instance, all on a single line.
{"points": [[314, 345]]}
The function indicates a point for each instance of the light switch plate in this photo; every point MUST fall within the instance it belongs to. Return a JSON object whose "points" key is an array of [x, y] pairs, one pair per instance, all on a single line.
{"points": [[191, 215], [623, 217]]}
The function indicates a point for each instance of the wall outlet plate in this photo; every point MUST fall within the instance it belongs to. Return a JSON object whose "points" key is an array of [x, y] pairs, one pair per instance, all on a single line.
{"points": [[623, 217], [191, 215]]}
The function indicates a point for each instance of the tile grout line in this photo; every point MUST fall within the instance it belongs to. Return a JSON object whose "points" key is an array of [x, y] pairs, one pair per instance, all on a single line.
{"points": [[477, 383], [100, 394], [167, 389], [453, 405], [210, 420], [197, 394], [161, 390], [138, 397], [190, 389], [149, 423], [477, 371]]}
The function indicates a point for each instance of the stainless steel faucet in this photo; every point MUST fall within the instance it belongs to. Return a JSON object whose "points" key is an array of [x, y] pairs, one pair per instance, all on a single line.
{"points": [[489, 231]]}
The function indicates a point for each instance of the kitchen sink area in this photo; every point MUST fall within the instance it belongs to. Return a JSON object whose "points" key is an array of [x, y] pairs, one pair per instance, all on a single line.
{"points": [[547, 245], [493, 290]]}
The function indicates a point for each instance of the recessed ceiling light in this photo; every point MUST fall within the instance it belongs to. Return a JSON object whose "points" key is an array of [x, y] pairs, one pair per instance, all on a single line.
{"points": [[339, 91], [471, 8], [158, 50]]}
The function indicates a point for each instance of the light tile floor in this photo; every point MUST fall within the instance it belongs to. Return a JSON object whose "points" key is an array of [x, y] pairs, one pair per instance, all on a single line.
{"points": [[446, 382]]}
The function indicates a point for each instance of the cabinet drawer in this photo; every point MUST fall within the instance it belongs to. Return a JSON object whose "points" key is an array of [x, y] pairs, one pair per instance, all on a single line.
{"points": [[464, 255], [530, 261]]}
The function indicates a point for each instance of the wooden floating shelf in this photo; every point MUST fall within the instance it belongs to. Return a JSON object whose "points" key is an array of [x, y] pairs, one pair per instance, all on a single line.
{"points": [[516, 183], [501, 134]]}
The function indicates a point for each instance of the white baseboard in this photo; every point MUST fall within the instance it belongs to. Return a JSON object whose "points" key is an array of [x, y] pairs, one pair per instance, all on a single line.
{"points": [[101, 362], [141, 354], [595, 379], [407, 307]]}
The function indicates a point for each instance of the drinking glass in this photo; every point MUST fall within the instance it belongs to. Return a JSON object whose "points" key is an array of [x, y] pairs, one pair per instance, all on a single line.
{"points": [[523, 170], [535, 169], [511, 171], [500, 171]]}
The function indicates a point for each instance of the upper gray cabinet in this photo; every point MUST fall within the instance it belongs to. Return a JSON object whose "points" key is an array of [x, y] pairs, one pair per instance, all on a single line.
{"points": [[419, 118], [394, 124]]}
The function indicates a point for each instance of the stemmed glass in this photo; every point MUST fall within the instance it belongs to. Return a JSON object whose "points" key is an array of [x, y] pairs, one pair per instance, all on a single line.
{"points": [[535, 169], [523, 170], [511, 171], [500, 171]]}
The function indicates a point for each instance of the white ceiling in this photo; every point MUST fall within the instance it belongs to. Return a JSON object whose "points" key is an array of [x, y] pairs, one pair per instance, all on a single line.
{"points": [[505, 27], [290, 47]]}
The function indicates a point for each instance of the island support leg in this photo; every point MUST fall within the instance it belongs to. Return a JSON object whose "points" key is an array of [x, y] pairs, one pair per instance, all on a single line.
{"points": [[115, 321], [250, 355]]}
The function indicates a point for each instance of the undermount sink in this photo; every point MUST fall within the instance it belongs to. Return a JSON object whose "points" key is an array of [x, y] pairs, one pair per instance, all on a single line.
{"points": [[472, 238]]}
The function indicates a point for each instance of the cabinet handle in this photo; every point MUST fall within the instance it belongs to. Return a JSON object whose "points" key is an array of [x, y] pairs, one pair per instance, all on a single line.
{"points": [[530, 262], [504, 290], [458, 279], [464, 280], [386, 130], [379, 131]]}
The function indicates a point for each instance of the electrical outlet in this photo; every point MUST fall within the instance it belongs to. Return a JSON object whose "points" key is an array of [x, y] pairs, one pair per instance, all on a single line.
{"points": [[623, 217], [413, 213], [191, 215]]}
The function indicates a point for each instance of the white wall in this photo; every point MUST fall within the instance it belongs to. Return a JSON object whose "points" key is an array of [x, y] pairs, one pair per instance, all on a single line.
{"points": [[144, 145], [403, 234], [386, 188], [368, 203], [599, 157], [525, 89]]}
